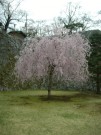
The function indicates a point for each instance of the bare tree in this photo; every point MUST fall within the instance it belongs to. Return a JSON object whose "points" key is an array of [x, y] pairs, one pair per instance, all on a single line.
{"points": [[97, 22], [39, 28], [1, 2], [10, 13], [74, 19]]}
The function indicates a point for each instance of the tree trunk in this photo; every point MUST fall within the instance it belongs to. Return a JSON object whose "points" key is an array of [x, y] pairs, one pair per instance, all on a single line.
{"points": [[7, 24], [49, 84], [98, 83], [49, 93], [50, 75]]}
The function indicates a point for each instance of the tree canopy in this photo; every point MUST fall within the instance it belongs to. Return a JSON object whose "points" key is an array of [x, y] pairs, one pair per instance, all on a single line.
{"points": [[95, 58], [54, 57]]}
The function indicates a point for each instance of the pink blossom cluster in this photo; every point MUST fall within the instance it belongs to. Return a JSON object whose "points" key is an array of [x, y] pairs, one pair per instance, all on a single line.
{"points": [[66, 53]]}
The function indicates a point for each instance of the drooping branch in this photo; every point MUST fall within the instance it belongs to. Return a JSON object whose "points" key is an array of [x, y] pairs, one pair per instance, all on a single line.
{"points": [[57, 56]]}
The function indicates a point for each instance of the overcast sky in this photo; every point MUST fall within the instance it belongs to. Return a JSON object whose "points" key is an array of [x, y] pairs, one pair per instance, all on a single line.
{"points": [[48, 9]]}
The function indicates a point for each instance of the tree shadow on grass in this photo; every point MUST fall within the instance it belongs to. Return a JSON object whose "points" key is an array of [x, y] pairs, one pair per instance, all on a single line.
{"points": [[33, 99], [63, 98]]}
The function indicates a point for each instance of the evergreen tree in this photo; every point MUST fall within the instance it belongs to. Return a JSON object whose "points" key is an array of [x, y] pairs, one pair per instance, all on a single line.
{"points": [[95, 58]]}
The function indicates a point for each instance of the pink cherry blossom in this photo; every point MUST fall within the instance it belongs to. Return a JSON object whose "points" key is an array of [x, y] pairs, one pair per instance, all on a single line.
{"points": [[61, 56]]}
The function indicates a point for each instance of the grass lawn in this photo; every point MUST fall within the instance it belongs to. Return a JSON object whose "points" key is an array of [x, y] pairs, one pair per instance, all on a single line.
{"points": [[67, 113]]}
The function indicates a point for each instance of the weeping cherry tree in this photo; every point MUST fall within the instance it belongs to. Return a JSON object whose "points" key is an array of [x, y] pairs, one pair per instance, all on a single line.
{"points": [[55, 56]]}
